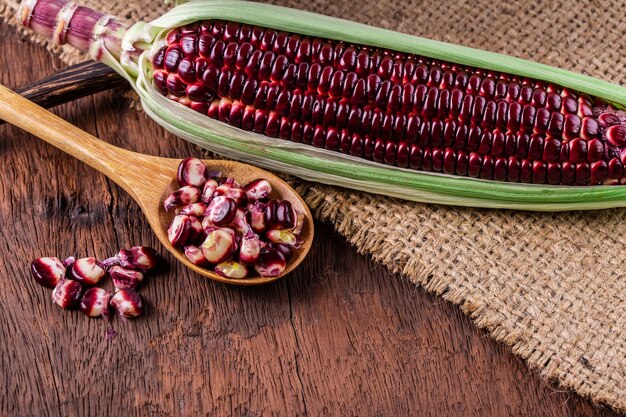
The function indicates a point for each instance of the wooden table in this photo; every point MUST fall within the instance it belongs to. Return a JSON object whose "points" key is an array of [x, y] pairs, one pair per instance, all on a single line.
{"points": [[340, 337]]}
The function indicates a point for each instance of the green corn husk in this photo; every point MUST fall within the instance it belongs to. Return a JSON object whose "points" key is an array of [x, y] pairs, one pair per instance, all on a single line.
{"points": [[330, 167]]}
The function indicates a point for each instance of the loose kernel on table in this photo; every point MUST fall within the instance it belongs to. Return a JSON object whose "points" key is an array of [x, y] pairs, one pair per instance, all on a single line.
{"points": [[124, 279], [86, 271], [67, 293], [95, 302], [126, 269], [127, 303], [140, 258], [47, 271]]}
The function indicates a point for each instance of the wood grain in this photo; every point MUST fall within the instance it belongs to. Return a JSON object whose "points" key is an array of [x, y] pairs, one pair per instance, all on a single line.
{"points": [[339, 337]]}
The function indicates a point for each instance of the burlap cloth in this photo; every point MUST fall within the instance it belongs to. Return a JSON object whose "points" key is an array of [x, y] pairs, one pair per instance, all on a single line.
{"points": [[550, 286]]}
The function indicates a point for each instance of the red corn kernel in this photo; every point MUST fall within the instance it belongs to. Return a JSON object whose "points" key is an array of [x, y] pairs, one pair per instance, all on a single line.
{"points": [[582, 173], [498, 143], [449, 161], [390, 153], [616, 135], [194, 254], [615, 168], [173, 55], [273, 125], [527, 121], [607, 119], [571, 128], [128, 304], [514, 92], [188, 44], [67, 293], [332, 139], [542, 118], [486, 171], [231, 269], [216, 56], [555, 125], [218, 245], [188, 194], [589, 129], [538, 98], [244, 53], [191, 171], [462, 163], [513, 169], [568, 173], [598, 172], [535, 147], [475, 165], [402, 156], [510, 143], [551, 149], [500, 169], [158, 58], [478, 109], [179, 231], [95, 302], [282, 236], [86, 271], [271, 263], [415, 157], [210, 77], [526, 171], [577, 150], [427, 160], [488, 88], [175, 85], [595, 150], [186, 71], [230, 55], [553, 102], [569, 105], [221, 210], [139, 258], [124, 278], [205, 45], [554, 173], [523, 141], [47, 271], [473, 84], [356, 146]]}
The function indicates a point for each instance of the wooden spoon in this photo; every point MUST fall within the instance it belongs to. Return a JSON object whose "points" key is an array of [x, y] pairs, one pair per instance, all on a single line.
{"points": [[148, 179]]}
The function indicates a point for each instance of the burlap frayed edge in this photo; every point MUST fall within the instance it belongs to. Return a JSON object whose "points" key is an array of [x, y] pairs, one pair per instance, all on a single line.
{"points": [[320, 200]]}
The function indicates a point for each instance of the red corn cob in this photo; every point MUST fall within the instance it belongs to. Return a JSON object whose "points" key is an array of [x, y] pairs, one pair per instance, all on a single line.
{"points": [[392, 108]]}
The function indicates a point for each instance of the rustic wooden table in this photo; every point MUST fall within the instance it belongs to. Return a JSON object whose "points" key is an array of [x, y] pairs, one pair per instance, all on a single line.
{"points": [[340, 337]]}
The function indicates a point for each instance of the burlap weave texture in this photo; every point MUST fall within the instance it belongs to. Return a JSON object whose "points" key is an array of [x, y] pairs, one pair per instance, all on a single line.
{"points": [[551, 286]]}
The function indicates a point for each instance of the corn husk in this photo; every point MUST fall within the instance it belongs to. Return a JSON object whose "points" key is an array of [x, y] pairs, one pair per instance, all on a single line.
{"points": [[334, 168]]}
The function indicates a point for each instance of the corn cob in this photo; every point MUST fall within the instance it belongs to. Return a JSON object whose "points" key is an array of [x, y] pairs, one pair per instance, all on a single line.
{"points": [[392, 108], [407, 112]]}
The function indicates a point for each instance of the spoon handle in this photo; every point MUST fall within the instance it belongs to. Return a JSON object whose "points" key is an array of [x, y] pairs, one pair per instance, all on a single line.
{"points": [[34, 119]]}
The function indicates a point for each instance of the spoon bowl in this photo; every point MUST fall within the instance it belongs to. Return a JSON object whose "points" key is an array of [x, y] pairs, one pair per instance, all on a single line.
{"points": [[148, 179], [243, 173]]}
